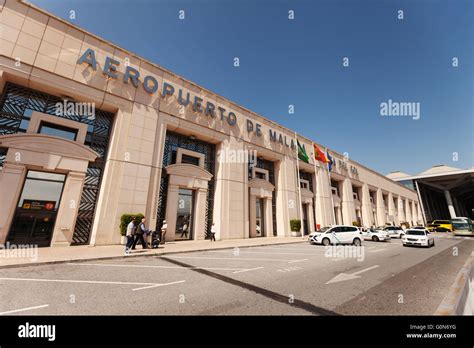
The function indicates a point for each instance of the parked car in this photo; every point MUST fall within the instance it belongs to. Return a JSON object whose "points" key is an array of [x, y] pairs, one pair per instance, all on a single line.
{"points": [[395, 231], [462, 228], [418, 237], [376, 235], [339, 234], [321, 230], [440, 226]]}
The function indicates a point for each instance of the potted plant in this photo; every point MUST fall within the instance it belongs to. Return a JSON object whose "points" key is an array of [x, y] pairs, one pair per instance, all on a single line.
{"points": [[124, 221], [295, 226]]}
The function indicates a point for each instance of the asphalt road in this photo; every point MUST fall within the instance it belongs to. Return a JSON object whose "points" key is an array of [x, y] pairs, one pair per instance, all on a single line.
{"points": [[294, 279]]}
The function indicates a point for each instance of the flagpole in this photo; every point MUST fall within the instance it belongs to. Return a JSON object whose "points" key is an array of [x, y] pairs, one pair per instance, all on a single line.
{"points": [[299, 187], [316, 180]]}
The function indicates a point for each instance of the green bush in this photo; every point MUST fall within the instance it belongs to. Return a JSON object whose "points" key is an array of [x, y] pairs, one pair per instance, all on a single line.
{"points": [[295, 225], [356, 223], [125, 220]]}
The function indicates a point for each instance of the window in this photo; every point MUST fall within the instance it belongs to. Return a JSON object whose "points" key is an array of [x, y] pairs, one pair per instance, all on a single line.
{"points": [[303, 185], [190, 159], [260, 175], [57, 131]]}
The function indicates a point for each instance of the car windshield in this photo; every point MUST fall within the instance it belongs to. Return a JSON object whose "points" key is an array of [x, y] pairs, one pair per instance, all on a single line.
{"points": [[416, 233], [324, 229]]}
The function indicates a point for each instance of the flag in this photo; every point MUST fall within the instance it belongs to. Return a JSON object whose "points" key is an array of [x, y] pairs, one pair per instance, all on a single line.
{"points": [[302, 155], [330, 160], [319, 155]]}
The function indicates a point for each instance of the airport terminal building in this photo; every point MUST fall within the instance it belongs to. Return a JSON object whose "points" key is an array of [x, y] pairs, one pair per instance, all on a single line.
{"points": [[90, 131]]}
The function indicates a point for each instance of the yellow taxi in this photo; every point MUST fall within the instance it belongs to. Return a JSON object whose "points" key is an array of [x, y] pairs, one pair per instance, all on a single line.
{"points": [[440, 226]]}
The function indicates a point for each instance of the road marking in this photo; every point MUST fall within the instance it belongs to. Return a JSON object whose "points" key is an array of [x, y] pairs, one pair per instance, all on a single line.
{"points": [[77, 281], [247, 270], [237, 258], [155, 266], [345, 276], [158, 285], [290, 269], [24, 309], [295, 261], [257, 252], [376, 251]]}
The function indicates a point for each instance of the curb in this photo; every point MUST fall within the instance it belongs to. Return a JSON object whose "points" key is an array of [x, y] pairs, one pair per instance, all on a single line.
{"points": [[158, 253], [455, 301]]}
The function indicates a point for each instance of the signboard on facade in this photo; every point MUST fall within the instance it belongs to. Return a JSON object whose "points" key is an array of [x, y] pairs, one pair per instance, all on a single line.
{"points": [[38, 205]]}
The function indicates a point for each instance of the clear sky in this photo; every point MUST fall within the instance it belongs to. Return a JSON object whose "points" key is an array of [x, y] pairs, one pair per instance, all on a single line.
{"points": [[299, 62]]}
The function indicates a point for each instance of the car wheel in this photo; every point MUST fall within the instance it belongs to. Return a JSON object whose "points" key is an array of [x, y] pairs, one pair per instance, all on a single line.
{"points": [[433, 244], [375, 238], [325, 241], [357, 242], [404, 245]]}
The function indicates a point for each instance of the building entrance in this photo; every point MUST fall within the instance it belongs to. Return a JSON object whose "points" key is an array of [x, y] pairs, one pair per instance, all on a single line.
{"points": [[184, 218], [260, 215], [37, 208]]}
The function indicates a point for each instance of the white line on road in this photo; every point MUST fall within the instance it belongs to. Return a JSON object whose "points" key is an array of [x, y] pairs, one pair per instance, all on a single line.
{"points": [[156, 266], [236, 258], [376, 251], [158, 285], [247, 270], [295, 261], [77, 281], [24, 309], [259, 252]]}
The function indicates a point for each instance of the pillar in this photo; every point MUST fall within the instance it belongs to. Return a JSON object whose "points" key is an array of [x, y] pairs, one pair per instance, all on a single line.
{"points": [[68, 209], [324, 207], [347, 202], [268, 223], [380, 208], [253, 216], [392, 213], [449, 201], [172, 212], [200, 214], [309, 212], [366, 206], [408, 212], [401, 210]]}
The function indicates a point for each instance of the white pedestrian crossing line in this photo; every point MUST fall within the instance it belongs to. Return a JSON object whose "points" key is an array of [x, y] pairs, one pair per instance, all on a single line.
{"points": [[24, 309], [156, 266]]}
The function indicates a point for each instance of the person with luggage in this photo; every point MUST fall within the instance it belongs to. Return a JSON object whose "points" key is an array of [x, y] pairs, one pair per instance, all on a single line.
{"points": [[213, 232], [130, 234], [140, 232], [164, 228]]}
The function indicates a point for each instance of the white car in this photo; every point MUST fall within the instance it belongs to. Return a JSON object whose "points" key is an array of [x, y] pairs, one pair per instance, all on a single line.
{"points": [[418, 237], [337, 235], [312, 234], [394, 231], [376, 235]]}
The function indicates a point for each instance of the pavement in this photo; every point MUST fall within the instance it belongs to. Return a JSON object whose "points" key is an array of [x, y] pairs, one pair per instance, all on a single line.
{"points": [[36, 256], [292, 278]]}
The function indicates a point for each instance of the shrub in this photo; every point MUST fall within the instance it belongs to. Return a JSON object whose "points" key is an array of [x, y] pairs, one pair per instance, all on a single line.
{"points": [[125, 220], [356, 223], [295, 225]]}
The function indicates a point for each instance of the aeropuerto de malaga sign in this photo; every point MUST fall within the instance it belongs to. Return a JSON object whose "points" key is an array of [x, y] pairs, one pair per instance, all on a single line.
{"points": [[150, 84]]}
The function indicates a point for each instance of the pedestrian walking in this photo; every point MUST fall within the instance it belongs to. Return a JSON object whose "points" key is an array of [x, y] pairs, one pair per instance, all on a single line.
{"points": [[164, 228], [130, 233], [185, 230], [213, 232], [140, 232]]}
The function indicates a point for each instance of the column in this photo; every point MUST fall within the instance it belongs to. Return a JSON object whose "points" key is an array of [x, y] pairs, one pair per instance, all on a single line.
{"points": [[253, 216], [68, 209], [309, 212], [348, 208], [366, 206], [380, 208], [401, 210], [413, 213], [408, 212], [324, 207], [12, 177], [391, 210], [268, 217], [452, 212], [200, 214], [172, 212]]}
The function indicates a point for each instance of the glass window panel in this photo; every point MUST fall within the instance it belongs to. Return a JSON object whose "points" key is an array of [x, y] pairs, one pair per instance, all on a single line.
{"points": [[58, 131], [46, 176]]}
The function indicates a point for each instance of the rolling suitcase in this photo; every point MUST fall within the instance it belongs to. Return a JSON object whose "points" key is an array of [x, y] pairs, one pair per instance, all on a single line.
{"points": [[155, 239]]}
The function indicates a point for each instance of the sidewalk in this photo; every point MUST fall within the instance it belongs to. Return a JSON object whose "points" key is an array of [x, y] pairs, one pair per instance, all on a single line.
{"points": [[65, 254]]}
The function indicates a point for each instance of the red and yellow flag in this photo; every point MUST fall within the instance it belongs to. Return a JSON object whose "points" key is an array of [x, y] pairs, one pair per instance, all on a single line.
{"points": [[319, 155]]}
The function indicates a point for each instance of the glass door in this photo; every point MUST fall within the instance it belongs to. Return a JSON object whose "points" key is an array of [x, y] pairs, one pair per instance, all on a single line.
{"points": [[184, 219], [37, 208]]}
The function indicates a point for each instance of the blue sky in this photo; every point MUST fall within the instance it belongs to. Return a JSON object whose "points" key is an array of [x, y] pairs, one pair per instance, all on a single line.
{"points": [[299, 62]]}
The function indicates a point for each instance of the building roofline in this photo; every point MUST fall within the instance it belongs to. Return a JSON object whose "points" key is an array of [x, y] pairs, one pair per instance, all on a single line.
{"points": [[425, 176]]}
